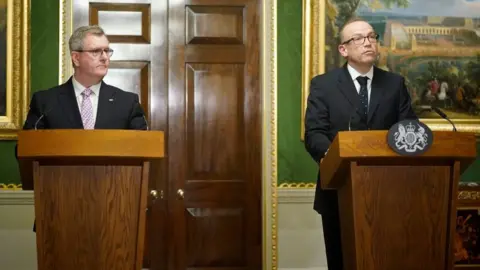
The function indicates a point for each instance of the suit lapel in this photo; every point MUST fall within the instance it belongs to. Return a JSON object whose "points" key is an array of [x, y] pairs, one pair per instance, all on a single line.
{"points": [[69, 104], [376, 92], [347, 87], [106, 101]]}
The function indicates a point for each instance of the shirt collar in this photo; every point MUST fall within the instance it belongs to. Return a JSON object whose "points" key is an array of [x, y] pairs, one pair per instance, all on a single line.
{"points": [[354, 73], [79, 88]]}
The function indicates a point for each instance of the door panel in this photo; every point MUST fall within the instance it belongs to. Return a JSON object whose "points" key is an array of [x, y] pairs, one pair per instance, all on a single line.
{"points": [[214, 129], [195, 66], [137, 30]]}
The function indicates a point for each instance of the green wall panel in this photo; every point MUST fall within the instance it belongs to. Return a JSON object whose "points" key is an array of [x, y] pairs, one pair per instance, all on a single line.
{"points": [[44, 71], [294, 163], [472, 173]]}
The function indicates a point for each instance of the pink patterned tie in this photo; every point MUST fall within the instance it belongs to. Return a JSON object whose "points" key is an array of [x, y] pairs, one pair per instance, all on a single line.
{"points": [[87, 109]]}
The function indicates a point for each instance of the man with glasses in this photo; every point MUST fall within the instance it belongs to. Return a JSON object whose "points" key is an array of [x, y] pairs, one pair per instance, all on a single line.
{"points": [[85, 101], [357, 96]]}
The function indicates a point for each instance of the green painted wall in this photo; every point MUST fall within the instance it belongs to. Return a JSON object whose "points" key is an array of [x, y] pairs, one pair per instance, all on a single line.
{"points": [[294, 164], [44, 71]]}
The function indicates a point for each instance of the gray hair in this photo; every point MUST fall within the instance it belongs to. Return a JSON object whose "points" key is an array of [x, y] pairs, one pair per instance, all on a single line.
{"points": [[76, 40]]}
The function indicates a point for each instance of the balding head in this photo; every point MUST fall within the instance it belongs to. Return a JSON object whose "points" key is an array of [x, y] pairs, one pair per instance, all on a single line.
{"points": [[358, 44]]}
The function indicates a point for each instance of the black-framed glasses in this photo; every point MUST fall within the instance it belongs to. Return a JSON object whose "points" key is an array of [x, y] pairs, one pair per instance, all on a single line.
{"points": [[359, 40], [98, 52]]}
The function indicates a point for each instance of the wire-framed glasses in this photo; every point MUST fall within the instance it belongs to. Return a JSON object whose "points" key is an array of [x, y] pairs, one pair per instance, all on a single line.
{"points": [[359, 39], [98, 52]]}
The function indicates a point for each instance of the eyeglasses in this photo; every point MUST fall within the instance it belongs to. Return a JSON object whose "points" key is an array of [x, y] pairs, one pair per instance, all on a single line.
{"points": [[98, 52], [359, 40]]}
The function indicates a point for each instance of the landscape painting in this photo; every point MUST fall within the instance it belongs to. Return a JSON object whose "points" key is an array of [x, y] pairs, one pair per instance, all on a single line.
{"points": [[466, 242], [434, 44]]}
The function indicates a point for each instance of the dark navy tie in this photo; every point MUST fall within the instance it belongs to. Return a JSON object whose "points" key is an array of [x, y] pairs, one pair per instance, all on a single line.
{"points": [[363, 94]]}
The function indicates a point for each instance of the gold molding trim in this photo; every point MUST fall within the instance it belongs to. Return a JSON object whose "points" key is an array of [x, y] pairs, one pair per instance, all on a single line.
{"points": [[469, 195], [313, 49], [65, 30], [14, 187], [462, 194], [299, 185], [269, 140], [17, 68]]}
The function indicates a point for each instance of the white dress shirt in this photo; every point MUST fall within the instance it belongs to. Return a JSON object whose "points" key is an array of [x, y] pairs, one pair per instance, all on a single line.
{"points": [[79, 88], [354, 73]]}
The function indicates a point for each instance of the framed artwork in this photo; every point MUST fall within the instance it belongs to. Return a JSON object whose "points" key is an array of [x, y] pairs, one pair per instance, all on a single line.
{"points": [[14, 66], [467, 231], [434, 44]]}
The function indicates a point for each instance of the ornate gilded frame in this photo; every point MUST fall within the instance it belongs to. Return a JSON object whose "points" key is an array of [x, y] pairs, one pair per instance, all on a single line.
{"points": [[313, 48], [313, 55], [65, 31], [268, 36], [269, 138], [17, 68], [468, 199]]}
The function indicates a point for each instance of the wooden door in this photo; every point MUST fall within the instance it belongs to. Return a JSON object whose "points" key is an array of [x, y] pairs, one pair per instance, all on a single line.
{"points": [[195, 66], [214, 135], [137, 31]]}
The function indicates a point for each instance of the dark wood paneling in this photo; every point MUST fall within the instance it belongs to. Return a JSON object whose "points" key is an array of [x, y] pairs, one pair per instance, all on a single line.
{"points": [[209, 193], [224, 54], [144, 82], [228, 23], [158, 216], [391, 193], [102, 201], [214, 122], [215, 131], [145, 37], [213, 227]]}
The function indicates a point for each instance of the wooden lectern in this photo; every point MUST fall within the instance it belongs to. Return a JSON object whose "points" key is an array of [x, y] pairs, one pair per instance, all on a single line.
{"points": [[396, 212], [90, 189]]}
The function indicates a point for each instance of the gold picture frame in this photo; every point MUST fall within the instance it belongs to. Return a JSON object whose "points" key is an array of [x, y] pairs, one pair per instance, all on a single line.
{"points": [[17, 69], [466, 228], [313, 48], [316, 13]]}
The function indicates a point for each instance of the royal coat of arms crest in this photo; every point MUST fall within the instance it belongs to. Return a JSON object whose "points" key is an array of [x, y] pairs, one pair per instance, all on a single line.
{"points": [[410, 137]]}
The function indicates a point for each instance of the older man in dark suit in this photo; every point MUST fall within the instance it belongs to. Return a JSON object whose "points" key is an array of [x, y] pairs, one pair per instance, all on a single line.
{"points": [[85, 101], [357, 96]]}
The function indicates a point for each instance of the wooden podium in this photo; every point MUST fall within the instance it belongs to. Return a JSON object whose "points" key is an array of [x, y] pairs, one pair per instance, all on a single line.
{"points": [[90, 189], [396, 212]]}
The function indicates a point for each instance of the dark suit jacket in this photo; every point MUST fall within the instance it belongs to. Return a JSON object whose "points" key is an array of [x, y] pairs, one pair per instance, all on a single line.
{"points": [[117, 109], [332, 107], [57, 108]]}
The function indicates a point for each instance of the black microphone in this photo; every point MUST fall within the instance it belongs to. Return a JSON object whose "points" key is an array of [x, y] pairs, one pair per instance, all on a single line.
{"points": [[444, 116], [355, 123], [146, 122], [143, 114], [41, 116]]}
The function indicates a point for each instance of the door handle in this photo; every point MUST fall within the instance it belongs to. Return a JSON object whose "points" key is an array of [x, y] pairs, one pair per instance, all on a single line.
{"points": [[180, 194], [155, 196]]}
